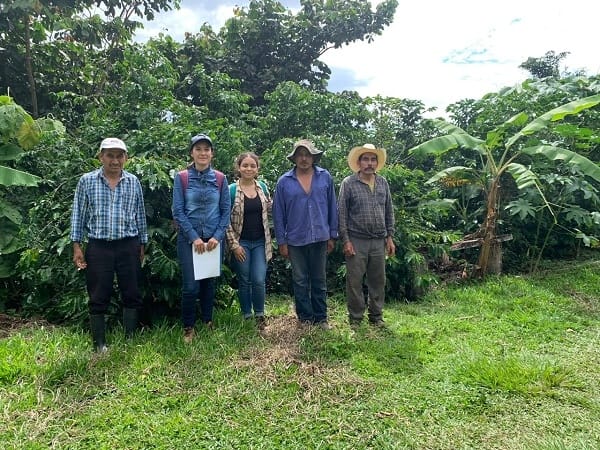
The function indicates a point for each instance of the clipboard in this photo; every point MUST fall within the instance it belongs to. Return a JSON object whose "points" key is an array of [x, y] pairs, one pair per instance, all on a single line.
{"points": [[207, 264]]}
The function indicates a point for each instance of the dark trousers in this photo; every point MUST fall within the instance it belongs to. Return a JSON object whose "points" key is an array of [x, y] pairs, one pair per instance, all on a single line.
{"points": [[104, 260], [309, 263]]}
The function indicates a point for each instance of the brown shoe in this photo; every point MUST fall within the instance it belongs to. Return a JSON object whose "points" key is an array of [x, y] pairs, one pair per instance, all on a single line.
{"points": [[188, 335], [324, 325], [209, 325], [304, 324]]}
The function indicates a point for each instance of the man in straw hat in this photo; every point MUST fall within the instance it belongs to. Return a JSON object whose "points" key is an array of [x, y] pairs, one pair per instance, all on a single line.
{"points": [[306, 224], [366, 229], [108, 210]]}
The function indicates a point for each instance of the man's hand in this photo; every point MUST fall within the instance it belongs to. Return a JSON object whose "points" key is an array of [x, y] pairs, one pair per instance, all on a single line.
{"points": [[349, 249], [390, 248], [78, 257], [283, 250]]}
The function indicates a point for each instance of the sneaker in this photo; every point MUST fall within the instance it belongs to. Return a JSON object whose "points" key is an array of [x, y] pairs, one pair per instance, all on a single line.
{"points": [[377, 323], [209, 325], [324, 325], [188, 334]]}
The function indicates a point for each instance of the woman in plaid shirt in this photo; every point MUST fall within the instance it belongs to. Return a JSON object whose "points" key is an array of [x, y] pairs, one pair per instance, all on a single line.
{"points": [[248, 236]]}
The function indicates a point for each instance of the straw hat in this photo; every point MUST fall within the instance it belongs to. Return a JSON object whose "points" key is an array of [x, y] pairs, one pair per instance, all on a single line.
{"points": [[357, 152]]}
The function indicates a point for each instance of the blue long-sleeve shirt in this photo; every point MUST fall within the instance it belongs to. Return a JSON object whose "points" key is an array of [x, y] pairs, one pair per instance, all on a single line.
{"points": [[302, 218], [100, 212], [204, 211]]}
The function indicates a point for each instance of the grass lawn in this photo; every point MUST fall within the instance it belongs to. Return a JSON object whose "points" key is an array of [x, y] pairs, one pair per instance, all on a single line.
{"points": [[509, 363]]}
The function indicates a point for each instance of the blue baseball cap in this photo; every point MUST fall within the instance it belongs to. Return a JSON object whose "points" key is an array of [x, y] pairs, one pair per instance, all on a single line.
{"points": [[198, 138]]}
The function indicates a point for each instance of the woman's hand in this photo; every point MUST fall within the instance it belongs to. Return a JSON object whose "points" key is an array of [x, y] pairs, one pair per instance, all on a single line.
{"points": [[240, 254], [199, 246], [211, 244]]}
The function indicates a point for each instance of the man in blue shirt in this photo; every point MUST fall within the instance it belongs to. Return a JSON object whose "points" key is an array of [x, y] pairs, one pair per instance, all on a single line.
{"points": [[306, 224], [108, 210]]}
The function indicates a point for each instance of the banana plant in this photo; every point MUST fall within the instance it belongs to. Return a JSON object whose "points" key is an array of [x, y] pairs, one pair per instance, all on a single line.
{"points": [[499, 154], [19, 132]]}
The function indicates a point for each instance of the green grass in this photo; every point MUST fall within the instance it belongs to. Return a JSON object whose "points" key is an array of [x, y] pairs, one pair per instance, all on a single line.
{"points": [[509, 363]]}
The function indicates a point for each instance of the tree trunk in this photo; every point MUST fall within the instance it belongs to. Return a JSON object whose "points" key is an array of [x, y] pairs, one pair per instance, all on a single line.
{"points": [[29, 69], [490, 255], [495, 260]]}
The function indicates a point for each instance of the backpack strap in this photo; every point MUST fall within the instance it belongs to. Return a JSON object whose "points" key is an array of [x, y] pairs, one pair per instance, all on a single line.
{"points": [[220, 177], [184, 175], [232, 191], [264, 188]]}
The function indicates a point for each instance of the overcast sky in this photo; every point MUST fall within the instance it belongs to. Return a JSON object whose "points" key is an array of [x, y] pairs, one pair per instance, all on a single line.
{"points": [[437, 51]]}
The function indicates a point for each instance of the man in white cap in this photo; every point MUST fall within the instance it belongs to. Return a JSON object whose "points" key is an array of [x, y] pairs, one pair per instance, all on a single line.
{"points": [[108, 211], [366, 226], [306, 226]]}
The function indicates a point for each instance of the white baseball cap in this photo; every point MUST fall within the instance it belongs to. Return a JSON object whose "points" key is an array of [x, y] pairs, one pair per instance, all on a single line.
{"points": [[113, 143]]}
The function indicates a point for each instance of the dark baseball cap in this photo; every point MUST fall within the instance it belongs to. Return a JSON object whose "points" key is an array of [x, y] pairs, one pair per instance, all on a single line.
{"points": [[198, 138]]}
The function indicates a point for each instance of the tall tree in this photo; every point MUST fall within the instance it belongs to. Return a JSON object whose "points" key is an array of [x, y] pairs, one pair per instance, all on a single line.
{"points": [[32, 29], [267, 44], [546, 66]]}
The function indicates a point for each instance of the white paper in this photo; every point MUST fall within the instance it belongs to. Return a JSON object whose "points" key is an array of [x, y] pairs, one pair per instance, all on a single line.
{"points": [[207, 264]]}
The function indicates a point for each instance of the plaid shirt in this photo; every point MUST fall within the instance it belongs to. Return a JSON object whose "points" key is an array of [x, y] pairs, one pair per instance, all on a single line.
{"points": [[363, 213], [237, 219], [102, 213]]}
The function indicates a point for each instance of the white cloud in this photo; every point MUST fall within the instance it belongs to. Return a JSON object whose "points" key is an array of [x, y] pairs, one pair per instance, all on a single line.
{"points": [[441, 52], [438, 51]]}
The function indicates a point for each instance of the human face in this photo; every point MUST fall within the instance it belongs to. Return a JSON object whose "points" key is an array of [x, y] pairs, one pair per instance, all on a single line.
{"points": [[303, 158], [368, 163], [202, 154], [113, 160], [248, 168]]}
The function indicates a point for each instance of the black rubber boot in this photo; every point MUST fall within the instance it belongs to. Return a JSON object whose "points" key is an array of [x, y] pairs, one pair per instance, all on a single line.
{"points": [[130, 321], [98, 329]]}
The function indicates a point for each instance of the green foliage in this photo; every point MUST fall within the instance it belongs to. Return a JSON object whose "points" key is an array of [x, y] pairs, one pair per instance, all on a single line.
{"points": [[18, 132], [546, 66], [498, 154], [257, 84]]}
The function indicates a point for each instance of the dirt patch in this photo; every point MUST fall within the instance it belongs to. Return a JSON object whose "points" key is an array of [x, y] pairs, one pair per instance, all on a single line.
{"points": [[281, 359], [11, 324], [282, 335]]}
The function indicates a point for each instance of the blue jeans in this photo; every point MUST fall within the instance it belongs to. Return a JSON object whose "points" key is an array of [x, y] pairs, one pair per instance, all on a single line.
{"points": [[309, 281], [251, 276], [192, 289]]}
